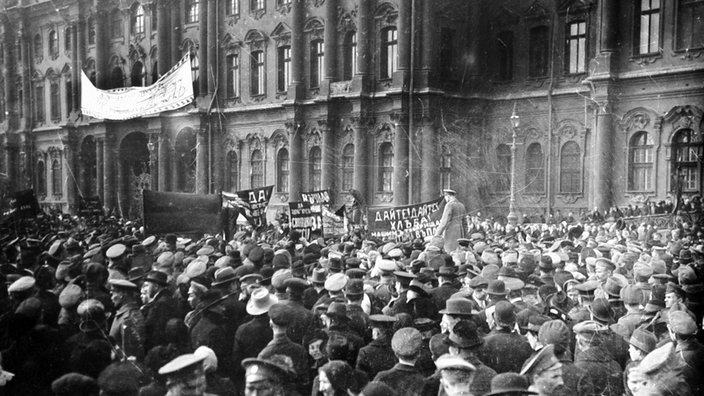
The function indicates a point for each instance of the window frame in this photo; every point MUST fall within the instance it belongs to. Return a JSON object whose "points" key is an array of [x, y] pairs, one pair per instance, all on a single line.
{"points": [[575, 173], [283, 169], [637, 182], [316, 63], [388, 52], [232, 183], [534, 173], [56, 177], [349, 55], [53, 43], [116, 28], [385, 175], [137, 19], [315, 168], [192, 10], [257, 5], [581, 43], [256, 163], [39, 104], [283, 69], [257, 73], [505, 56], [693, 147], [41, 181], [694, 4], [55, 100], [539, 51], [234, 76], [347, 166], [232, 7], [38, 46], [637, 28]]}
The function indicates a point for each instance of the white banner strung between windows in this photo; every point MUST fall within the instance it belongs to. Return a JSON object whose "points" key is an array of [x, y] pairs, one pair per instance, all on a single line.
{"points": [[172, 91]]}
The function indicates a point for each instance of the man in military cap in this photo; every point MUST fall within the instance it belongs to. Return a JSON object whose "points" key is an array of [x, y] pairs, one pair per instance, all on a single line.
{"points": [[302, 317], [400, 304], [576, 381], [117, 259], [280, 319], [385, 290], [586, 296], [632, 298], [377, 355], [127, 330], [268, 377], [185, 375], [683, 329], [159, 306], [451, 226], [404, 376], [604, 372], [456, 375], [544, 371]]}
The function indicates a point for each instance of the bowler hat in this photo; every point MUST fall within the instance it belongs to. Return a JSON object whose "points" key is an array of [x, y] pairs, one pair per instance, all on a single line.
{"points": [[464, 335], [457, 306], [158, 277], [601, 310], [509, 383], [224, 275], [319, 275], [354, 287], [497, 288]]}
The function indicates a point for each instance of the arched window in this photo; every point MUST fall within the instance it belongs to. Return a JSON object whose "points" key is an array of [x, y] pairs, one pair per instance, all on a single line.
{"points": [[55, 101], [687, 157], [535, 170], [446, 169], [233, 76], [41, 179], [38, 50], [284, 67], [386, 167], [282, 170], [570, 168], [257, 73], [349, 59], [640, 163], [232, 176], [503, 168], [138, 77], [39, 115], [388, 57], [115, 24], [67, 39], [257, 169], [53, 43], [117, 78], [137, 19], [315, 160], [56, 186], [348, 167]]}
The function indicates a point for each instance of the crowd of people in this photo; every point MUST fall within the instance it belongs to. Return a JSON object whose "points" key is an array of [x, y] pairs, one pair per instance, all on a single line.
{"points": [[595, 308]]}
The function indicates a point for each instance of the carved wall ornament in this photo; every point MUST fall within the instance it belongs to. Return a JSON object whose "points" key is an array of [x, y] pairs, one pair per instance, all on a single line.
{"points": [[281, 34], [256, 40], [279, 139], [537, 10], [644, 60], [570, 198], [384, 196], [315, 28], [387, 14], [688, 54], [347, 20]]}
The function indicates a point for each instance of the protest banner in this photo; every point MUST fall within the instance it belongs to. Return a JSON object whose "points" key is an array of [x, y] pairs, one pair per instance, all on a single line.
{"points": [[20, 204], [90, 206], [303, 219], [169, 212], [403, 223], [251, 204], [319, 203], [172, 91]]}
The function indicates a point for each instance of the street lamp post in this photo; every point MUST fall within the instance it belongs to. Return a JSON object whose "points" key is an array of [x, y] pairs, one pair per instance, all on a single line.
{"points": [[515, 122]]}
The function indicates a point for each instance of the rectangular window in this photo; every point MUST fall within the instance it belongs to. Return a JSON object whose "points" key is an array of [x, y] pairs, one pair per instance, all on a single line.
{"points": [[233, 76], [538, 55], [55, 98], [232, 7], [648, 26], [192, 11], [257, 73], [39, 117], [389, 53], [576, 47], [69, 97], [505, 56], [348, 167], [284, 68], [350, 56], [116, 25], [690, 24], [256, 5], [317, 64]]}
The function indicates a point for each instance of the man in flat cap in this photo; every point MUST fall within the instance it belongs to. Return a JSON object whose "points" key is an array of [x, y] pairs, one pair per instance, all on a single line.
{"points": [[683, 330], [451, 226], [377, 355], [280, 319], [604, 372], [632, 298], [456, 375], [404, 377], [544, 371], [185, 375], [127, 330], [159, 306]]}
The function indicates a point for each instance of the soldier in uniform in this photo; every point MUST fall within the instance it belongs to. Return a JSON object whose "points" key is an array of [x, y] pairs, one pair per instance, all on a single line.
{"points": [[456, 375], [632, 299], [268, 377], [128, 329], [185, 375], [604, 372], [544, 371], [377, 355]]}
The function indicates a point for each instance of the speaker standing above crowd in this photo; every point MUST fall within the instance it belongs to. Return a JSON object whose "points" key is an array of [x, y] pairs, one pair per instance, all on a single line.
{"points": [[561, 307]]}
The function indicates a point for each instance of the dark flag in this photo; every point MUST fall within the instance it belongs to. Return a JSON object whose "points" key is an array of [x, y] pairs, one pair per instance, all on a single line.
{"points": [[20, 204], [181, 213]]}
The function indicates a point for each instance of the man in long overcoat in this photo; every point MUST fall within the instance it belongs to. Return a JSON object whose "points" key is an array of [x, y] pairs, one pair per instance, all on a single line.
{"points": [[451, 225]]}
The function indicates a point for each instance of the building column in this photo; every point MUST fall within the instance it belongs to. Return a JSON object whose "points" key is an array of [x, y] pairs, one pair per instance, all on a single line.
{"points": [[109, 170], [10, 92], [164, 166], [359, 81], [330, 44], [26, 160], [203, 48], [295, 174], [175, 32], [213, 38], [75, 69], [174, 167], [26, 77], [123, 201], [329, 156], [428, 44], [474, 33], [400, 78], [361, 164], [297, 50], [80, 57], [401, 171], [217, 164], [163, 36], [153, 147], [202, 158], [603, 159], [72, 188], [101, 44], [430, 179], [99, 190]]}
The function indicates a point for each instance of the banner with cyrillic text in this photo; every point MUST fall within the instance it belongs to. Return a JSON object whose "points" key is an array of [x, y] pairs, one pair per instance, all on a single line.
{"points": [[172, 91], [304, 219], [251, 204], [403, 223]]}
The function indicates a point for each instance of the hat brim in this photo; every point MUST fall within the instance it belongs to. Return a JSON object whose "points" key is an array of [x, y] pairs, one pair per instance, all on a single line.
{"points": [[224, 281], [511, 391]]}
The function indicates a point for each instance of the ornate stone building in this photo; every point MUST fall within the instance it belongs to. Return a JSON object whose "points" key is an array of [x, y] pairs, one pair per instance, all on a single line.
{"points": [[394, 98]]}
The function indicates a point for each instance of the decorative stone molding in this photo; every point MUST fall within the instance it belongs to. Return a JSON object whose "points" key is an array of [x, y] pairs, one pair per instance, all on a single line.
{"points": [[688, 54], [340, 87], [570, 199], [684, 117], [281, 34], [256, 40], [644, 60], [386, 14], [279, 140], [347, 20], [384, 197], [315, 28], [282, 197], [283, 7]]}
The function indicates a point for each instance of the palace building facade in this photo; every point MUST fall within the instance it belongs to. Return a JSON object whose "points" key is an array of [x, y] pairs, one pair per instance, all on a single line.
{"points": [[394, 98]]}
